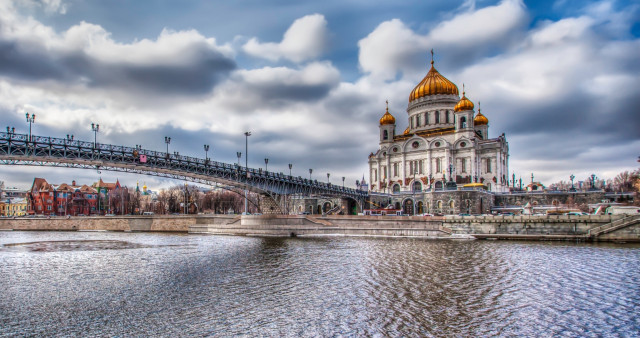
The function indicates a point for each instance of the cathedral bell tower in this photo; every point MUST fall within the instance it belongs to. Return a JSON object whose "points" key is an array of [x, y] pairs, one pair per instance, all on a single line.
{"points": [[387, 127], [463, 112], [481, 125]]}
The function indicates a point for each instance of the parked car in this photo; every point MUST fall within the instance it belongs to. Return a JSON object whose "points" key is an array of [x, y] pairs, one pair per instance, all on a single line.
{"points": [[577, 213], [425, 215]]}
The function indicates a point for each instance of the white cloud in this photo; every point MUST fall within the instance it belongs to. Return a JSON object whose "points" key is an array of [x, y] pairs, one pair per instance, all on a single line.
{"points": [[393, 47], [305, 39]]}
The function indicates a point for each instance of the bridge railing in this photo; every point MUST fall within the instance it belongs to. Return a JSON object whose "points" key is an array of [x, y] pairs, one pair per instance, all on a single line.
{"points": [[48, 147]]}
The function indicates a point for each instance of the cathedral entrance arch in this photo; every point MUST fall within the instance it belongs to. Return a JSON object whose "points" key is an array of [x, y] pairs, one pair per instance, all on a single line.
{"points": [[438, 185], [407, 207]]}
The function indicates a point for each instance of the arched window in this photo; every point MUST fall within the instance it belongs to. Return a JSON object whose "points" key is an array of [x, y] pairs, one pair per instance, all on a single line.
{"points": [[385, 135], [437, 117], [426, 118], [446, 116], [452, 204], [396, 188], [417, 186], [463, 122], [439, 205]]}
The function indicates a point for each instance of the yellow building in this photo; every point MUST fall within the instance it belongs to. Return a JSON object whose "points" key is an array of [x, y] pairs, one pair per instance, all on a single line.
{"points": [[13, 207]]}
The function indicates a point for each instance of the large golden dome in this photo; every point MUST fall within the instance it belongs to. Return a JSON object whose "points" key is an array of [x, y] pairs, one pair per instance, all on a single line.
{"points": [[432, 84], [463, 104], [480, 120], [387, 118]]}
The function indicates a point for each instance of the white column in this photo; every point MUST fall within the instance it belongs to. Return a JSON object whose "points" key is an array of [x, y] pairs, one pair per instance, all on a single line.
{"points": [[429, 165], [403, 168], [499, 171]]}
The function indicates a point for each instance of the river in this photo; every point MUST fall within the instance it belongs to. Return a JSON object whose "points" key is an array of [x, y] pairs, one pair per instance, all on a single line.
{"points": [[156, 284]]}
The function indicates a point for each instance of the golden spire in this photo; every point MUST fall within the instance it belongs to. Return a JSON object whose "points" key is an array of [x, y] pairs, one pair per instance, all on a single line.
{"points": [[387, 118]]}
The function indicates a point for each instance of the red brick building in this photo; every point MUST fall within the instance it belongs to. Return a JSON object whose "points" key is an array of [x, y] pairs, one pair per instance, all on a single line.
{"points": [[48, 199]]}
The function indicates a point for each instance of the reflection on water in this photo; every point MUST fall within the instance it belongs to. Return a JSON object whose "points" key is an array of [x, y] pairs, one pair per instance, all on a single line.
{"points": [[209, 285], [75, 245]]}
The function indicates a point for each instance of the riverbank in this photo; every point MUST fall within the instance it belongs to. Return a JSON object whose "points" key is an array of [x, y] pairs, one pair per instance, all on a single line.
{"points": [[586, 228]]}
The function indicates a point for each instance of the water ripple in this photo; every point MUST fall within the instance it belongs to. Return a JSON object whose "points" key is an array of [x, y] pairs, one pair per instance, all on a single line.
{"points": [[182, 285]]}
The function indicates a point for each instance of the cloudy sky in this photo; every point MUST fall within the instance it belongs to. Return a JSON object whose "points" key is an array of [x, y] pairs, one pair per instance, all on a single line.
{"points": [[309, 79]]}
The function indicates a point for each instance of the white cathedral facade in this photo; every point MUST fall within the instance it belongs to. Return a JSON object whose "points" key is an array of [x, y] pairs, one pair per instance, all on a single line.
{"points": [[447, 145]]}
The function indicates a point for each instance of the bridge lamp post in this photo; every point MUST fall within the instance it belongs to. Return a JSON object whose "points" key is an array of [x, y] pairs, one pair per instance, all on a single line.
{"points": [[31, 119], [11, 131], [246, 167], [328, 174], [266, 164], [343, 182], [167, 140], [310, 172], [206, 152], [290, 166], [95, 128]]}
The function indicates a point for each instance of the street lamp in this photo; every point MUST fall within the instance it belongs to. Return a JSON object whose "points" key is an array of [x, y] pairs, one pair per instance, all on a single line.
{"points": [[343, 182], [167, 140], [328, 178], [573, 188], [185, 198], [206, 151], [246, 166], [593, 181], [266, 164], [239, 154], [310, 171], [11, 131], [31, 119], [290, 166], [95, 128]]}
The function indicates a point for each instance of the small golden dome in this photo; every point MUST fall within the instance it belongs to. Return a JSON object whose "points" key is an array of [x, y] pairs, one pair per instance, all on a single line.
{"points": [[406, 131], [432, 84], [464, 103], [480, 120], [387, 118]]}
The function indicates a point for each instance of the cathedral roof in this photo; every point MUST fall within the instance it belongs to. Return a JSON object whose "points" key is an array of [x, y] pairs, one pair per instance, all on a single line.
{"points": [[432, 84], [387, 118], [463, 104], [480, 120]]}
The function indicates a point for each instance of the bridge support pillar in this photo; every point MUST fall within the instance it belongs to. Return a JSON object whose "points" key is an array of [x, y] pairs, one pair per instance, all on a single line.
{"points": [[270, 206]]}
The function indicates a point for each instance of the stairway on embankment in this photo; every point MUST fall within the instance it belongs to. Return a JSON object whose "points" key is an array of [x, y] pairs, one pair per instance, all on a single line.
{"points": [[620, 230]]}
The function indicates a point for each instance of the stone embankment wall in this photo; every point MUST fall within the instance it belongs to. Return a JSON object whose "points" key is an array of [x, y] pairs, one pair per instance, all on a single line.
{"points": [[517, 227], [292, 225], [172, 223]]}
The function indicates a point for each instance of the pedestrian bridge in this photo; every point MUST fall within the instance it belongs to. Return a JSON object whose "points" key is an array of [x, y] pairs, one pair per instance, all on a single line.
{"points": [[22, 149]]}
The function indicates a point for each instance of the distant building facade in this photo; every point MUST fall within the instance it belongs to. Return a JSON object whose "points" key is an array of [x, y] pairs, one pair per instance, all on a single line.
{"points": [[63, 199]]}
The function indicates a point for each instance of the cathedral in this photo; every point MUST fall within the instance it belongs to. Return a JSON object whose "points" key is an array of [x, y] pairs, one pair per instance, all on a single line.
{"points": [[446, 147]]}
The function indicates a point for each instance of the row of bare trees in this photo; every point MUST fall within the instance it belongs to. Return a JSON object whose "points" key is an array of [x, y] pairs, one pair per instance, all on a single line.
{"points": [[172, 200]]}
